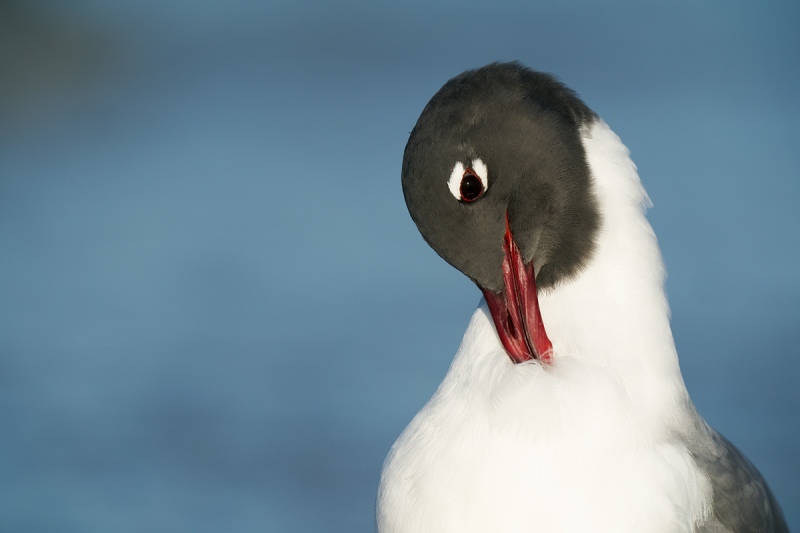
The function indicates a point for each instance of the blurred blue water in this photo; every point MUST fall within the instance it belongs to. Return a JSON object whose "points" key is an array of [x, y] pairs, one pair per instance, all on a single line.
{"points": [[217, 315]]}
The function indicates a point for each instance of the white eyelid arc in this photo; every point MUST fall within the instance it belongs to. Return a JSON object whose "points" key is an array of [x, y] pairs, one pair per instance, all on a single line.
{"points": [[454, 183], [480, 169]]}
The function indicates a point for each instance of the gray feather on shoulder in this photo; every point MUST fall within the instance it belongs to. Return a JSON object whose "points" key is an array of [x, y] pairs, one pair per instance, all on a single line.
{"points": [[741, 500]]}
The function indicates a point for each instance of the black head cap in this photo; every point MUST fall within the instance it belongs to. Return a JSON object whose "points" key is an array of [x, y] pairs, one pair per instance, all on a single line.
{"points": [[525, 127]]}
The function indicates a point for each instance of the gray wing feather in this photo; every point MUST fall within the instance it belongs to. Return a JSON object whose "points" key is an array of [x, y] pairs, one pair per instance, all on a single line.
{"points": [[741, 499]]}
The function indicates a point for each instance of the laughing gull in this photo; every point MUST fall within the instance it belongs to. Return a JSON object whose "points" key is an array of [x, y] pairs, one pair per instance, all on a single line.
{"points": [[564, 408]]}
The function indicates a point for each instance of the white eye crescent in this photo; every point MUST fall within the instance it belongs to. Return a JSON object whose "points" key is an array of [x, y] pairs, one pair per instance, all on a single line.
{"points": [[470, 183], [454, 183]]}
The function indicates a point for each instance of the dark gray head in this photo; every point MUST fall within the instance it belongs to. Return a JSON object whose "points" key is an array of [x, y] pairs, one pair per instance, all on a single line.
{"points": [[524, 127]]}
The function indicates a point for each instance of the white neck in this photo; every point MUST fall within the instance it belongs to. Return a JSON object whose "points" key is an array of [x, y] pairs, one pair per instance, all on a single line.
{"points": [[615, 314]]}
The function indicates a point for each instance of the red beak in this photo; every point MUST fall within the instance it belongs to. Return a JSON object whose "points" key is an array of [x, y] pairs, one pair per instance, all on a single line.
{"points": [[515, 311]]}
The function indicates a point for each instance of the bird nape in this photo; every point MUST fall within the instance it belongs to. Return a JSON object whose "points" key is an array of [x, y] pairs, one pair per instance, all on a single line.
{"points": [[564, 408]]}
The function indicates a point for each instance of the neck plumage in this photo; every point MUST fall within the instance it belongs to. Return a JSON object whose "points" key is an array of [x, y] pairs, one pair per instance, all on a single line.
{"points": [[615, 313]]}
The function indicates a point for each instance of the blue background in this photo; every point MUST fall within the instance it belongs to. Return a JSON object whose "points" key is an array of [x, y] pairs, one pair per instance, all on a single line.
{"points": [[216, 313]]}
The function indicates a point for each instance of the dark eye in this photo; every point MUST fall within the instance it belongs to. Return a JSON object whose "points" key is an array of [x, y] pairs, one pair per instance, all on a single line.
{"points": [[468, 183], [471, 187]]}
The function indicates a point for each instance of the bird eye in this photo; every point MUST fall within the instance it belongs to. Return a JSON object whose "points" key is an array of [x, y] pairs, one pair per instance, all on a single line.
{"points": [[471, 187], [468, 184]]}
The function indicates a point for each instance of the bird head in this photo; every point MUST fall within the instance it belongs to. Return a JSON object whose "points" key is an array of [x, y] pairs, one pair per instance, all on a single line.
{"points": [[496, 179]]}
